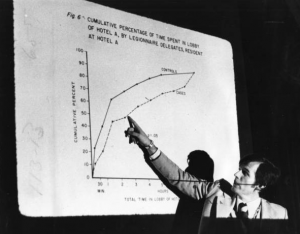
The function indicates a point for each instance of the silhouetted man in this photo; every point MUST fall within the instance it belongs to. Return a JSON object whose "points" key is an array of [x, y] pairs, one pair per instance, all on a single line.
{"points": [[189, 211]]}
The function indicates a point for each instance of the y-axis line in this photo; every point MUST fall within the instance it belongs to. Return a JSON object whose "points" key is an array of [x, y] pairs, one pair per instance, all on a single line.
{"points": [[89, 105]]}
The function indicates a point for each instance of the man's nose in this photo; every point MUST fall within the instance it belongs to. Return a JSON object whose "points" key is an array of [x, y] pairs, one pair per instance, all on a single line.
{"points": [[237, 174]]}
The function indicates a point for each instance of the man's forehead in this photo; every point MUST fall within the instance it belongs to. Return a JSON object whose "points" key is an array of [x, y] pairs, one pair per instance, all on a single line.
{"points": [[251, 166]]}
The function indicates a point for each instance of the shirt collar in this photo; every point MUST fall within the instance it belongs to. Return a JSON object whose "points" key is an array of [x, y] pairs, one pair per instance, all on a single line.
{"points": [[252, 206]]}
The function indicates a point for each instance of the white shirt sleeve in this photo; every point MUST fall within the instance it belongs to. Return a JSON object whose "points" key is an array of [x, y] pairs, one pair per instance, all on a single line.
{"points": [[155, 155]]}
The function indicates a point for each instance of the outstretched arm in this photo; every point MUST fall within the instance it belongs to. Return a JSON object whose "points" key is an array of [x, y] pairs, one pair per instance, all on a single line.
{"points": [[185, 182]]}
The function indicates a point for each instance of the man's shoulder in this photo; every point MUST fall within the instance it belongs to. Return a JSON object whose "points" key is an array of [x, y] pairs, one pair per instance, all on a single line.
{"points": [[274, 210], [273, 205]]}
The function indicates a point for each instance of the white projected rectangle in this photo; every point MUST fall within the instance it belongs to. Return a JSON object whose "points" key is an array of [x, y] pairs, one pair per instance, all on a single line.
{"points": [[81, 69]]}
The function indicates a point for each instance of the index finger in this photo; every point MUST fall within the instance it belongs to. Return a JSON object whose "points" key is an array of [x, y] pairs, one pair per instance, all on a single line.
{"points": [[133, 124], [130, 120], [131, 139]]}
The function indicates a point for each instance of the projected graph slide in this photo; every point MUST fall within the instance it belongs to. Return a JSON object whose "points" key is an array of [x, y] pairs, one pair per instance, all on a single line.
{"points": [[89, 68]]}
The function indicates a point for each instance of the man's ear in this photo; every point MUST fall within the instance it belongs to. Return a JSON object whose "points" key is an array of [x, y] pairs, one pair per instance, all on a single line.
{"points": [[259, 187]]}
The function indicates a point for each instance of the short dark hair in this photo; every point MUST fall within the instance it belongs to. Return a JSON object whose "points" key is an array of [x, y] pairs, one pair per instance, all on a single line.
{"points": [[201, 165], [267, 173]]}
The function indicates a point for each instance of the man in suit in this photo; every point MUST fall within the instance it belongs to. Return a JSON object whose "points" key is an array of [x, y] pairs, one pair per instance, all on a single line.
{"points": [[239, 209]]}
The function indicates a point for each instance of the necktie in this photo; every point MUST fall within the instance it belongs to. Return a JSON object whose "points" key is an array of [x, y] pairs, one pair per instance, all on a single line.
{"points": [[242, 211]]}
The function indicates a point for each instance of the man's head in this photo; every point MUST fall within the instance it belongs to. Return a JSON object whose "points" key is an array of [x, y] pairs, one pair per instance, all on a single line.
{"points": [[201, 165], [255, 173]]}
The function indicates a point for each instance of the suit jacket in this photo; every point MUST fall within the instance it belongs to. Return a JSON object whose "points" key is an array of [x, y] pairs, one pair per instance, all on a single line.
{"points": [[219, 203]]}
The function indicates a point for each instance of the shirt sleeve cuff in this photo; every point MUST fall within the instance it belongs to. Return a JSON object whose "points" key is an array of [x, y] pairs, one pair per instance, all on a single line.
{"points": [[155, 155]]}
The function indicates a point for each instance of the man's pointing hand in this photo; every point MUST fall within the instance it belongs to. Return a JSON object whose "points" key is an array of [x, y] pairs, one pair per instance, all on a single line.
{"points": [[136, 134]]}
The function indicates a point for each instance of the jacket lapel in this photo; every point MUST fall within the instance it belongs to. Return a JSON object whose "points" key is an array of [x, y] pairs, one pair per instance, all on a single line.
{"points": [[266, 213], [266, 210]]}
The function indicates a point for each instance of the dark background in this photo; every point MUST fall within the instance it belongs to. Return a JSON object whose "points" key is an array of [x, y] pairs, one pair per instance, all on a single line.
{"points": [[265, 38]]}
